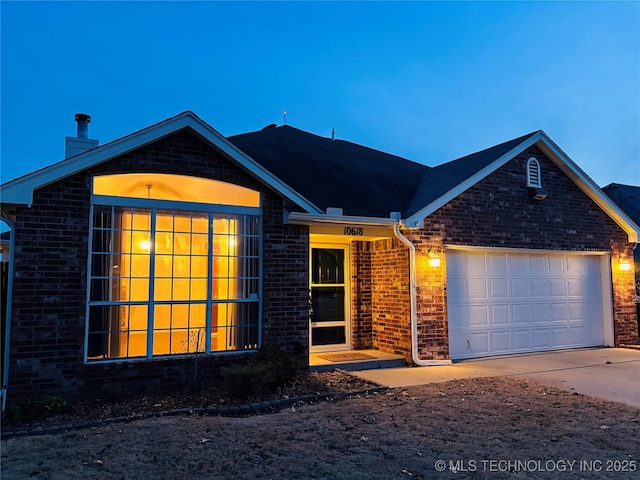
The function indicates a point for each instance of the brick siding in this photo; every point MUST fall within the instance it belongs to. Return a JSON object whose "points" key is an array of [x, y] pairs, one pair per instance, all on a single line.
{"points": [[49, 288], [361, 296], [390, 297], [496, 212]]}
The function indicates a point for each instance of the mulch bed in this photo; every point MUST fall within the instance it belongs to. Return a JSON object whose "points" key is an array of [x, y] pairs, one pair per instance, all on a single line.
{"points": [[307, 387]]}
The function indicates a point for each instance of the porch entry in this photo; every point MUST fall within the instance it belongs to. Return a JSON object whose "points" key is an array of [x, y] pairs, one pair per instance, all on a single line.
{"points": [[329, 298]]}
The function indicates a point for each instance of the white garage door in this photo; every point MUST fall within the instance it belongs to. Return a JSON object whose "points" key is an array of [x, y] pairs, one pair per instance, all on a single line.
{"points": [[501, 303]]}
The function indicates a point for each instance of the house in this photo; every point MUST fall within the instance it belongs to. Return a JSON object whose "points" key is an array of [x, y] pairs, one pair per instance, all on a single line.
{"points": [[627, 197], [133, 258]]}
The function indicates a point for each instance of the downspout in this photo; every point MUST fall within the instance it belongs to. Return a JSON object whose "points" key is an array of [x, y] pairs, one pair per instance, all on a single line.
{"points": [[7, 332], [414, 304]]}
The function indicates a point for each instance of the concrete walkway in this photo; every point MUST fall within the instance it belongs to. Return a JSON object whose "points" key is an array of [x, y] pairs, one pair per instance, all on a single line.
{"points": [[607, 373]]}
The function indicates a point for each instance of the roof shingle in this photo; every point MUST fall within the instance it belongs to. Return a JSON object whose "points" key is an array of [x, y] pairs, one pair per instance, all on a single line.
{"points": [[334, 173]]}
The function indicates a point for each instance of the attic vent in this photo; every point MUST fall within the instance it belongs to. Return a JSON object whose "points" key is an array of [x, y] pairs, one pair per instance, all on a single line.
{"points": [[533, 173]]}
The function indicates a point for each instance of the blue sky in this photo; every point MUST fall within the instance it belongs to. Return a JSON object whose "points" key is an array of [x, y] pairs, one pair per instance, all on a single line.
{"points": [[429, 81]]}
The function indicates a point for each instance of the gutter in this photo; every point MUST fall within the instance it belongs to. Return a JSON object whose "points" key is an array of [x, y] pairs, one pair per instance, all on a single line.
{"points": [[7, 333], [297, 218], [413, 306]]}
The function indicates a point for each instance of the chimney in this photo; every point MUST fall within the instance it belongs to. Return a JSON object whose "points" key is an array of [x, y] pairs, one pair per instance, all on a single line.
{"points": [[83, 124], [80, 143]]}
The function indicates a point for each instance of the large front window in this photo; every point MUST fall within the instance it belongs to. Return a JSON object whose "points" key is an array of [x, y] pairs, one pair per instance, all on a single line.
{"points": [[169, 277]]}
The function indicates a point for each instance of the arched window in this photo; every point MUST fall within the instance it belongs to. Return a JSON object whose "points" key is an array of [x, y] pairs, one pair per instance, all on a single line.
{"points": [[174, 267], [533, 173]]}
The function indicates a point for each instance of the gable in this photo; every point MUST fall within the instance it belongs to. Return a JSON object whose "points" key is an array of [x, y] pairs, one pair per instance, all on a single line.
{"points": [[497, 212], [448, 179], [458, 176], [20, 191]]}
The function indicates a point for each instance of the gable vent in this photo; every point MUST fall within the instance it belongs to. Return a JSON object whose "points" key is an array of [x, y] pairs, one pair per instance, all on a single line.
{"points": [[533, 173]]}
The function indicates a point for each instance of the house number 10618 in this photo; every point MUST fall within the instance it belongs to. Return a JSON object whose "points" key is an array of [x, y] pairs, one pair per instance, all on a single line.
{"points": [[353, 231]]}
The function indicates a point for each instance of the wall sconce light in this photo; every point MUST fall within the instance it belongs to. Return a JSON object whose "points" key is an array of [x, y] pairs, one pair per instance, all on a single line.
{"points": [[536, 193], [624, 264], [434, 259]]}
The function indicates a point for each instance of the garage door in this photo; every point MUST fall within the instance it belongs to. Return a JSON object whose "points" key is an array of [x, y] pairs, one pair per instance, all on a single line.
{"points": [[501, 303]]}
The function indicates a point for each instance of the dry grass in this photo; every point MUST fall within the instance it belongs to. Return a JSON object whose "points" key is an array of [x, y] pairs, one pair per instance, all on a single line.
{"points": [[400, 433]]}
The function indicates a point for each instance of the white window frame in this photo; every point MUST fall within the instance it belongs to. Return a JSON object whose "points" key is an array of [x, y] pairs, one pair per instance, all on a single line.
{"points": [[534, 178], [154, 205]]}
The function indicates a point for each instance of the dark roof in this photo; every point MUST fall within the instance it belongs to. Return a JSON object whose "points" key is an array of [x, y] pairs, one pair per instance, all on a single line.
{"points": [[334, 173], [439, 180], [627, 197], [360, 180]]}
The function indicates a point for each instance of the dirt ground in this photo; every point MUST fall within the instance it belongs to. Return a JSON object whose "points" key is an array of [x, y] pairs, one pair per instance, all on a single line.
{"points": [[496, 427]]}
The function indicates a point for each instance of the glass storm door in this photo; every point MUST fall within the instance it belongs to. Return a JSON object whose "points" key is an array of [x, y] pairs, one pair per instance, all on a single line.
{"points": [[328, 298]]}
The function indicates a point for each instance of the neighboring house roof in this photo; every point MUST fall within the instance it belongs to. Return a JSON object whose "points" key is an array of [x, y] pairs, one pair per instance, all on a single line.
{"points": [[20, 190], [335, 173], [627, 197]]}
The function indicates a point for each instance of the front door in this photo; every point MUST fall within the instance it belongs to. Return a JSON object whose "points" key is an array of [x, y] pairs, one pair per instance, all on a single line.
{"points": [[329, 298]]}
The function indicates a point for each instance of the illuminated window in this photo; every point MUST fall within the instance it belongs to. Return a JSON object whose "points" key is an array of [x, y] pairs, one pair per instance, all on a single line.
{"points": [[172, 277], [179, 188]]}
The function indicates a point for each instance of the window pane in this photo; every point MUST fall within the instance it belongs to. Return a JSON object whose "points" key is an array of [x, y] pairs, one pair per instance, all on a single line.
{"points": [[328, 335], [163, 243], [182, 224], [328, 304], [181, 266], [139, 289], [199, 289], [162, 186], [180, 289], [164, 266], [162, 290], [162, 317], [200, 223], [164, 221], [200, 244], [188, 271], [327, 266]]}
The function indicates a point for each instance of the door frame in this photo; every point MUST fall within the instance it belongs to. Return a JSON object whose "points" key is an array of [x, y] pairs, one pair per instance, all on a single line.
{"points": [[347, 297]]}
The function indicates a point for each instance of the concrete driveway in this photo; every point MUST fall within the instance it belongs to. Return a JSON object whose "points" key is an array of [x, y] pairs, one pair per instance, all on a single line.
{"points": [[606, 373]]}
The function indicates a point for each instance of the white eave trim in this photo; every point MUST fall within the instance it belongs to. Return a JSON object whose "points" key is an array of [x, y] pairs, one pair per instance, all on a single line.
{"points": [[20, 190], [417, 218], [590, 188], [298, 218], [557, 156]]}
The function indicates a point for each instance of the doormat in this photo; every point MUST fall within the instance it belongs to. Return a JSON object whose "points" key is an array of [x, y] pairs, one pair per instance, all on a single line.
{"points": [[346, 357]]}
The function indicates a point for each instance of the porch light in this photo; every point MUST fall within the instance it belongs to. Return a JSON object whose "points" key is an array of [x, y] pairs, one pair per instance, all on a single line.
{"points": [[434, 259], [624, 264]]}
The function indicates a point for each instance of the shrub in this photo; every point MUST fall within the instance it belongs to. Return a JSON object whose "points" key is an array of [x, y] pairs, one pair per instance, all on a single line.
{"points": [[273, 368], [26, 410]]}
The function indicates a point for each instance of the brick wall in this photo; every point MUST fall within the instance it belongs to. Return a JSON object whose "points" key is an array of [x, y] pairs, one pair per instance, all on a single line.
{"points": [[496, 212], [391, 301], [361, 296], [49, 288]]}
